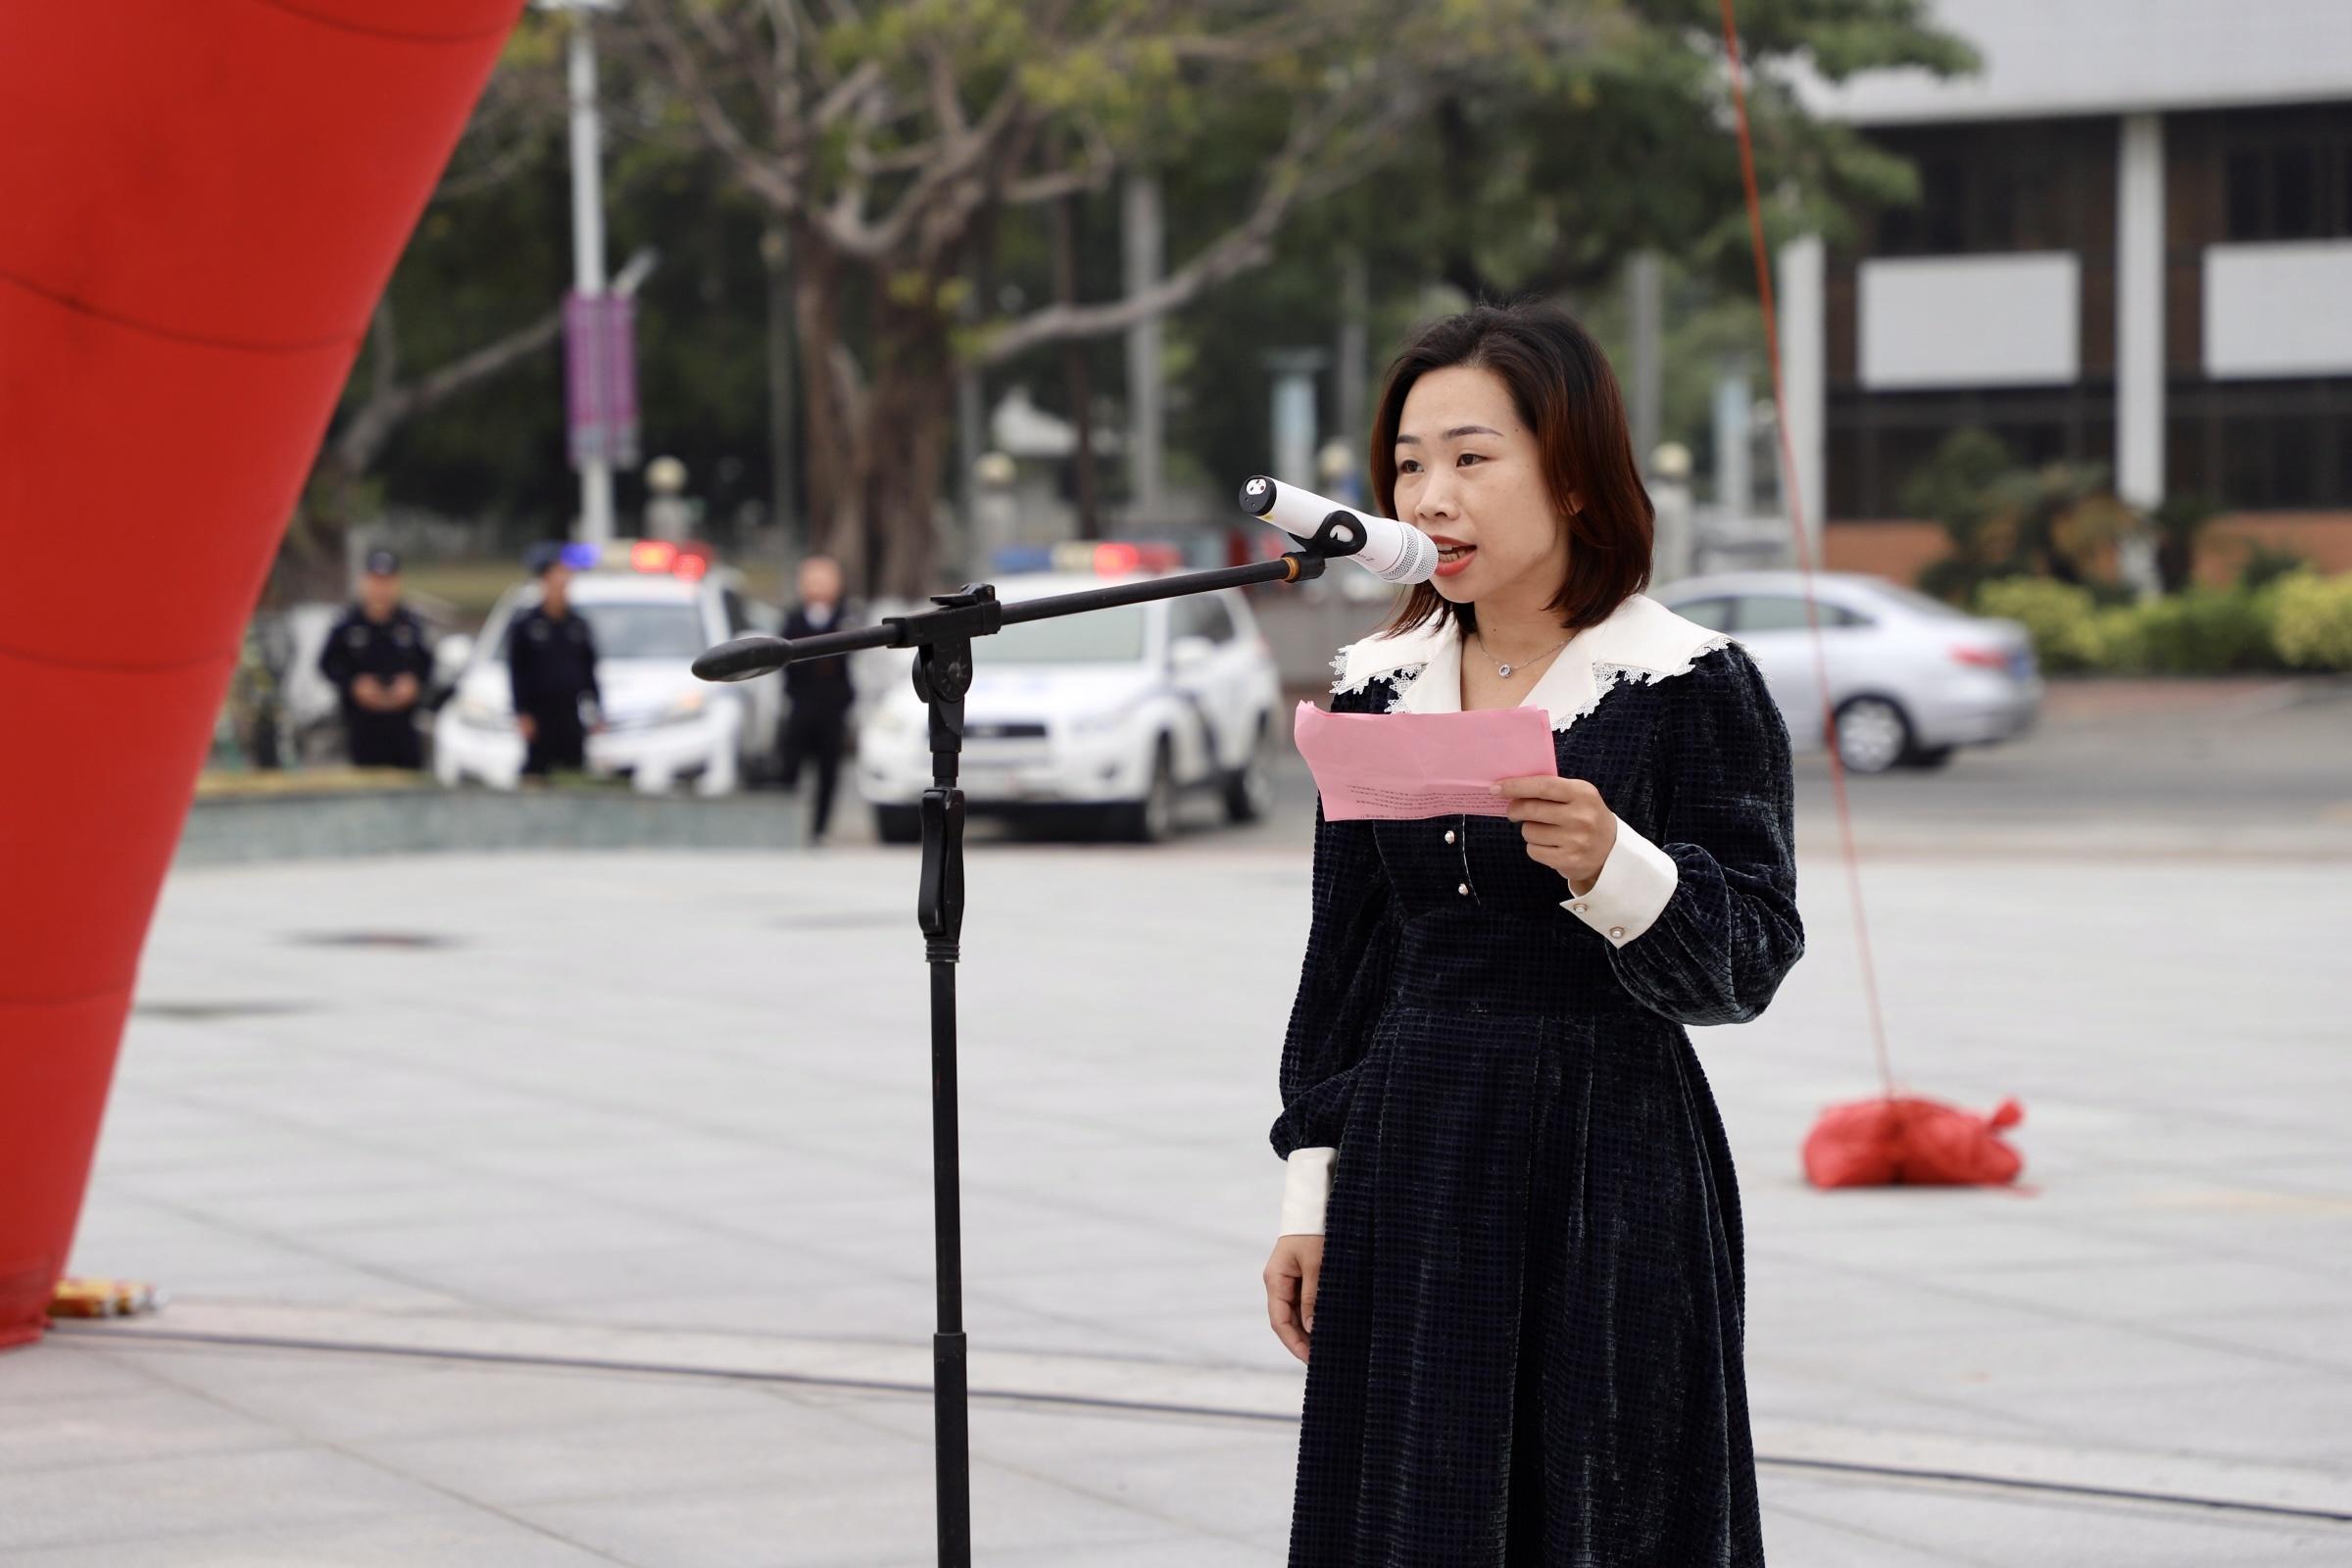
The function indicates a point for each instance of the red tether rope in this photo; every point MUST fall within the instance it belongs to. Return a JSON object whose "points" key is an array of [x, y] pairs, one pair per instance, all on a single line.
{"points": [[1804, 550]]}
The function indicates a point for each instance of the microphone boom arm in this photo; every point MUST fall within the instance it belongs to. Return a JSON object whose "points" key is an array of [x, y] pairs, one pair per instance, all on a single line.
{"points": [[962, 614]]}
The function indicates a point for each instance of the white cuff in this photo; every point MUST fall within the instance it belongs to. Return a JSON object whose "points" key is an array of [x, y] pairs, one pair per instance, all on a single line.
{"points": [[1305, 1186], [1637, 882]]}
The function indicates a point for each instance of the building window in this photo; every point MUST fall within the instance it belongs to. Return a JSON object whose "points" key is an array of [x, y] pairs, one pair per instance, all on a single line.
{"points": [[2040, 186], [1878, 442], [2288, 176], [2260, 446]]}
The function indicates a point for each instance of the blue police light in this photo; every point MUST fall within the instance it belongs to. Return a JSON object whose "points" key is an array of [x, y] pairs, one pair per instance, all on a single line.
{"points": [[1024, 557], [580, 556]]}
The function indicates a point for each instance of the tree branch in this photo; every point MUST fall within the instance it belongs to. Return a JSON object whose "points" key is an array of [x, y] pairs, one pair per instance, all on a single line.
{"points": [[774, 180], [362, 439], [1102, 162], [1290, 181]]}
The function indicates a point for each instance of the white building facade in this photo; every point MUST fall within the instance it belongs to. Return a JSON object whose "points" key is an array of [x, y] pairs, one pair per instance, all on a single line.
{"points": [[2134, 248]]}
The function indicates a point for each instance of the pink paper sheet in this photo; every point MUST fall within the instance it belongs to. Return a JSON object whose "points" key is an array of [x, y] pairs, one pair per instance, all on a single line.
{"points": [[1394, 766]]}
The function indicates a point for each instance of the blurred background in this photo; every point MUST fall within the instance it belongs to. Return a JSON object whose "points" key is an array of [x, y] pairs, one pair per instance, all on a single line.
{"points": [[536, 1154]]}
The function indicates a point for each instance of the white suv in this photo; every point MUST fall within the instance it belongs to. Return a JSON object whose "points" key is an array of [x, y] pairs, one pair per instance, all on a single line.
{"points": [[1109, 713], [652, 615]]}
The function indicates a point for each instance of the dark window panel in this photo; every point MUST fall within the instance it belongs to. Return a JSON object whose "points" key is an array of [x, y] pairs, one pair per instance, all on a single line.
{"points": [[2294, 189], [2185, 457], [2247, 465], [2294, 460], [1842, 454], [1943, 207], [2241, 178]]}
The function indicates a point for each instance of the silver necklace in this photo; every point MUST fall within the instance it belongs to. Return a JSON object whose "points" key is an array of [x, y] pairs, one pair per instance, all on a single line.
{"points": [[1502, 672]]}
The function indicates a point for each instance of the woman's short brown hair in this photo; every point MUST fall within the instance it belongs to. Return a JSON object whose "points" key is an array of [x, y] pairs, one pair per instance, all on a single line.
{"points": [[1567, 395]]}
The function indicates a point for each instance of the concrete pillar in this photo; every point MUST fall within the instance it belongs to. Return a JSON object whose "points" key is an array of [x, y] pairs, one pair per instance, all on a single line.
{"points": [[1644, 291], [1804, 380], [2140, 312], [1353, 365], [1735, 485], [1674, 553], [1293, 413], [2139, 331], [1143, 242]]}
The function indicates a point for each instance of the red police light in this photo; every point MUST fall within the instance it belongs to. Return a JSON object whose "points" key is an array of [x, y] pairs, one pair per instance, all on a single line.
{"points": [[690, 569], [653, 555]]}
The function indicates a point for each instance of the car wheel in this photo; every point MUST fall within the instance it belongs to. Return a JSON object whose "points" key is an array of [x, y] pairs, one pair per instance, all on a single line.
{"points": [[1250, 788], [1152, 819], [1927, 757], [1872, 735], [899, 824]]}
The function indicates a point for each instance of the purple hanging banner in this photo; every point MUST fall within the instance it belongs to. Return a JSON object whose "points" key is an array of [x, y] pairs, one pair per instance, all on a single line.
{"points": [[600, 376]]}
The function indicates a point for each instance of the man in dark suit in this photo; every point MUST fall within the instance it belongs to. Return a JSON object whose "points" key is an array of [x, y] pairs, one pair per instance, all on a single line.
{"points": [[818, 692]]}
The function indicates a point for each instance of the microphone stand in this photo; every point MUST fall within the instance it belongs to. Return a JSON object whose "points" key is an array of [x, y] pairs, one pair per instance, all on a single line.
{"points": [[942, 639]]}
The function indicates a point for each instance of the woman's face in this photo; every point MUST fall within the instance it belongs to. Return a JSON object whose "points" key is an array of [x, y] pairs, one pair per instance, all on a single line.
{"points": [[1469, 475]]}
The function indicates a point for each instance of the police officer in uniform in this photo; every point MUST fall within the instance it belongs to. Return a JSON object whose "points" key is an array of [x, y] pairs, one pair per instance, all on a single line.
{"points": [[378, 661], [551, 661]]}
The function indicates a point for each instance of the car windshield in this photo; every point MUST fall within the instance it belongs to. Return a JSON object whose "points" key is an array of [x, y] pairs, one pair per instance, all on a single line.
{"points": [[1924, 604], [627, 629], [1113, 636]]}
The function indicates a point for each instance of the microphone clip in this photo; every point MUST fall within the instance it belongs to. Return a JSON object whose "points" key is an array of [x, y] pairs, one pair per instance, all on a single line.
{"points": [[1339, 534]]}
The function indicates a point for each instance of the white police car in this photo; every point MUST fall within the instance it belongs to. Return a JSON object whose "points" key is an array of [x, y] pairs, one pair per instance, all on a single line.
{"points": [[653, 607], [1110, 715]]}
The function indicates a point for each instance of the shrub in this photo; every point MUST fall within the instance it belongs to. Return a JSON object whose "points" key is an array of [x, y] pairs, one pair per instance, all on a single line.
{"points": [[2314, 627], [2057, 615], [2209, 631], [2265, 565], [2115, 639]]}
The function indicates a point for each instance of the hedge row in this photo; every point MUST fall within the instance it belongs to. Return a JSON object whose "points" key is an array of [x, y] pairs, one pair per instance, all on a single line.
{"points": [[2301, 620]]}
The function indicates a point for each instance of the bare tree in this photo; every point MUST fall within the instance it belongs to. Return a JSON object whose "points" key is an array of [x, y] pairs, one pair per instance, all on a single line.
{"points": [[890, 137]]}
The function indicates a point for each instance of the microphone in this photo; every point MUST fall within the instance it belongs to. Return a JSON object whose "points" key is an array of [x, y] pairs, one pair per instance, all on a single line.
{"points": [[1395, 551], [743, 659]]}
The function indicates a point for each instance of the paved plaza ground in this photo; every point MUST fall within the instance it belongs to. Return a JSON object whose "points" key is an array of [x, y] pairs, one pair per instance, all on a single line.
{"points": [[551, 1208]]}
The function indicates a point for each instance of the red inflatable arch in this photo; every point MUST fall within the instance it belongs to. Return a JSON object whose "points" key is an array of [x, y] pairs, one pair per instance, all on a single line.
{"points": [[200, 201]]}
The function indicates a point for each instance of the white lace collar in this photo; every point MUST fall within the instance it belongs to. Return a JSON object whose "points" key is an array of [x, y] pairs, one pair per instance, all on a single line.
{"points": [[1640, 641]]}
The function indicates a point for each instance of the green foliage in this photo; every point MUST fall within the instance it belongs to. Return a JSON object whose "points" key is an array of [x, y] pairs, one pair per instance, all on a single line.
{"points": [[2059, 521], [2116, 640], [2206, 631], [2265, 564], [2058, 616], [1955, 486], [2180, 523], [2314, 620], [2301, 619]]}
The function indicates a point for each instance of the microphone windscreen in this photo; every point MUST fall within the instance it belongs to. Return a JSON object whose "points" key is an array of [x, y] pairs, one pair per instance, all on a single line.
{"points": [[743, 659]]}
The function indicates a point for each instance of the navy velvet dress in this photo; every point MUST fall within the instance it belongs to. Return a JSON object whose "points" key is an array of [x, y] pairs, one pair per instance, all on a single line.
{"points": [[1527, 1339]]}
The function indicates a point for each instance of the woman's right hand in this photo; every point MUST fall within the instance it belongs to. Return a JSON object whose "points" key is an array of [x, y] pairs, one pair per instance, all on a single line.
{"points": [[1291, 1277]]}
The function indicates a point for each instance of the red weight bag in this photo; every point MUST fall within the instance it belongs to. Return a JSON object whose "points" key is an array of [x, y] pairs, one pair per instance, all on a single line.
{"points": [[1893, 1141]]}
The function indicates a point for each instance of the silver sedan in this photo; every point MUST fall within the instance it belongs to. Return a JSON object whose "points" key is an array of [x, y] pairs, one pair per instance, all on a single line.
{"points": [[1910, 677]]}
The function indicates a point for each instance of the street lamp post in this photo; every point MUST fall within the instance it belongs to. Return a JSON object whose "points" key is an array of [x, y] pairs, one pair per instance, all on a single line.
{"points": [[588, 231]]}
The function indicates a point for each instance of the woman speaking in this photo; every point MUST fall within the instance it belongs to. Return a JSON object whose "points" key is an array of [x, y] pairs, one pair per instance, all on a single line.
{"points": [[1511, 1250]]}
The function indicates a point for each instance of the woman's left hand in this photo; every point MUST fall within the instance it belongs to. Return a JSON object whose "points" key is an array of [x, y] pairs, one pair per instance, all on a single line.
{"points": [[1566, 823]]}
